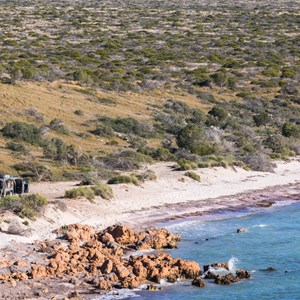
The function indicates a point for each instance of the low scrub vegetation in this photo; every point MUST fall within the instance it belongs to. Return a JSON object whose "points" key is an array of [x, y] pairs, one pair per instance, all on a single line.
{"points": [[28, 205], [85, 192], [103, 190], [89, 193], [193, 175], [123, 179], [218, 97]]}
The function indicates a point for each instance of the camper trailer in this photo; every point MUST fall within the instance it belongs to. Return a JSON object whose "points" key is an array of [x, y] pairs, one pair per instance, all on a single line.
{"points": [[10, 185]]}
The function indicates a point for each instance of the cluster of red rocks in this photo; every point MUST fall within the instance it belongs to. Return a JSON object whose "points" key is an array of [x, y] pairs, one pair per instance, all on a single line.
{"points": [[97, 259]]}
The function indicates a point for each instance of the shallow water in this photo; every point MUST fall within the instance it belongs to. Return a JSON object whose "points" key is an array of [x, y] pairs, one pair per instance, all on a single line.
{"points": [[272, 240]]}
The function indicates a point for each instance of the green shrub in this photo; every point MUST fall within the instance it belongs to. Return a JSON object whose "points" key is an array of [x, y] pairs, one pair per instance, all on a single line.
{"points": [[16, 147], [22, 132], [163, 154], [103, 190], [275, 142], [123, 179], [28, 205], [261, 119], [125, 160], [192, 175], [290, 130], [128, 126], [89, 181], [78, 112], [219, 112], [103, 130], [34, 170], [271, 72], [185, 164], [85, 192], [59, 126]]}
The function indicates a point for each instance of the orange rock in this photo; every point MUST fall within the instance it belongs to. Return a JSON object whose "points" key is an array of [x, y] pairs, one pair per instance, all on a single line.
{"points": [[6, 263], [21, 263], [188, 269], [20, 276], [102, 284], [130, 282], [38, 271], [107, 267], [121, 271], [139, 270], [122, 234]]}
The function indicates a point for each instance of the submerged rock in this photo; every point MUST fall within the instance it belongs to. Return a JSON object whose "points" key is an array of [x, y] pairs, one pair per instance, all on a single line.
{"points": [[151, 287], [269, 269], [241, 230], [199, 282], [227, 279]]}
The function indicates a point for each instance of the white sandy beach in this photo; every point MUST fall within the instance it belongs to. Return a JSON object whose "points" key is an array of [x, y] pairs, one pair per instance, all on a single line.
{"points": [[171, 195]]}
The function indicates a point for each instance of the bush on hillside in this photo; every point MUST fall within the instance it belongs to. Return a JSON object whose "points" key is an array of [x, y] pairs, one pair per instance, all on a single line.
{"points": [[258, 162], [22, 132]]}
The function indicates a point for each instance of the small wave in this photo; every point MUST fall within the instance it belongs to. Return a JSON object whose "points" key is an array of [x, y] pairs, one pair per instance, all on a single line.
{"points": [[261, 225], [223, 271], [114, 295], [283, 203]]}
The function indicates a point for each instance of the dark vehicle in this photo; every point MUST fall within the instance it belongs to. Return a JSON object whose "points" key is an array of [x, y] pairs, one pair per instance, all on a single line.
{"points": [[10, 185]]}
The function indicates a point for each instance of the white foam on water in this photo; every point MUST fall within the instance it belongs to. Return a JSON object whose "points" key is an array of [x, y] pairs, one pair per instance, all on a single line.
{"points": [[223, 271], [117, 295], [164, 282], [284, 203], [261, 225], [233, 261]]}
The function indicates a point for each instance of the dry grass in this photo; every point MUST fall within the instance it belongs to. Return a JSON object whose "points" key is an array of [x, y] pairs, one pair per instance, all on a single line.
{"points": [[60, 100]]}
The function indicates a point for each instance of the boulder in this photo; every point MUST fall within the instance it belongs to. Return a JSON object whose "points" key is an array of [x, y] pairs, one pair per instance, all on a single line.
{"points": [[188, 269], [106, 238], [122, 234]]}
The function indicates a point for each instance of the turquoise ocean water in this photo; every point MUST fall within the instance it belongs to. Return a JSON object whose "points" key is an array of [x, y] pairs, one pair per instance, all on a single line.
{"points": [[272, 240]]}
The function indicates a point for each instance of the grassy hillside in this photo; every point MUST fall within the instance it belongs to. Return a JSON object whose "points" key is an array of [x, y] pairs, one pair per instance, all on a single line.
{"points": [[91, 87]]}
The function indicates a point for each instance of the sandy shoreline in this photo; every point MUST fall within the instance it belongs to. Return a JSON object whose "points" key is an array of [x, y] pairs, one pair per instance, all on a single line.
{"points": [[171, 196]]}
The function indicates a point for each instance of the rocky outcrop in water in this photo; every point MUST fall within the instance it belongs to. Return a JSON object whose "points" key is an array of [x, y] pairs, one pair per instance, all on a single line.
{"points": [[84, 258], [97, 258], [223, 273]]}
